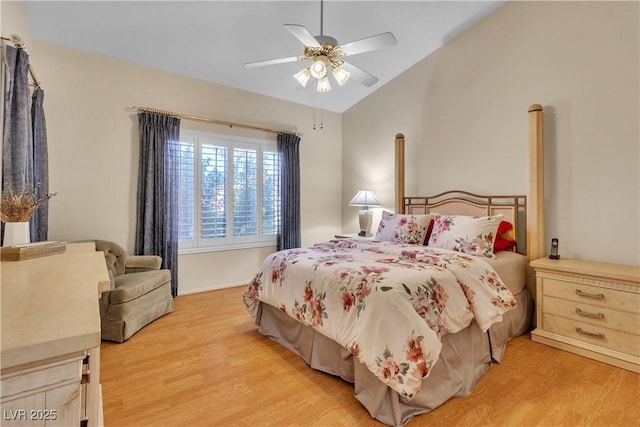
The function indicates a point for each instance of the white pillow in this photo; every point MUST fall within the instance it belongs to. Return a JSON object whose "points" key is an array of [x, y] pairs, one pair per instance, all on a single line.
{"points": [[468, 234], [402, 228]]}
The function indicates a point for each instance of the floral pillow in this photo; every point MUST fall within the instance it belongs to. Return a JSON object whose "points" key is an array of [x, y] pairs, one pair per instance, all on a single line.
{"points": [[468, 234], [402, 228]]}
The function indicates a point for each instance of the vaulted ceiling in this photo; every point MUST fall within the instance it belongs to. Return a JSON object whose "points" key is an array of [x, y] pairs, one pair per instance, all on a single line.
{"points": [[212, 40]]}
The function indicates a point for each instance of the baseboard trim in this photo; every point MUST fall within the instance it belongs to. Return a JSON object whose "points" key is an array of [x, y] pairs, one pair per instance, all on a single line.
{"points": [[212, 288]]}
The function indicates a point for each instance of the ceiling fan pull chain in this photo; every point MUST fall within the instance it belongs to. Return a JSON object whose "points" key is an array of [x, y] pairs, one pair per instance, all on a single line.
{"points": [[317, 106], [314, 113]]}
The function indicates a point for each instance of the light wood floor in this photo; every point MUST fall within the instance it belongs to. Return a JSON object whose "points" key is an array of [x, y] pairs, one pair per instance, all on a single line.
{"points": [[205, 365]]}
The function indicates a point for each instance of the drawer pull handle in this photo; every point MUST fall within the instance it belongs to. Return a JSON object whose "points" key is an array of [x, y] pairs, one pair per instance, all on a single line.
{"points": [[590, 334], [588, 295], [587, 314]]}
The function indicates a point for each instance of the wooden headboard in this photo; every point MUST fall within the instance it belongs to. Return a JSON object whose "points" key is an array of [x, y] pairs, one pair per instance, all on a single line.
{"points": [[527, 211], [457, 202]]}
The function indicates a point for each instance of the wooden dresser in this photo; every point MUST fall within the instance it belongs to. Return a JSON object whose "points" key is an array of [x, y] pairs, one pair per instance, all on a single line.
{"points": [[589, 308], [50, 343]]}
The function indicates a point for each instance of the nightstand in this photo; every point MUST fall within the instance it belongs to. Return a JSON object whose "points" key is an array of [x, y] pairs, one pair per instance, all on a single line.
{"points": [[589, 308], [346, 236]]}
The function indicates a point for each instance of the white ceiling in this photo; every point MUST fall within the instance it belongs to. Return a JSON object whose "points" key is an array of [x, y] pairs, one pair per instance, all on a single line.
{"points": [[212, 40]]}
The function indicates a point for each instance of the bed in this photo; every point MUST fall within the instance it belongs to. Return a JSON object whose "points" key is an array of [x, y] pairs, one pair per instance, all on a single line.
{"points": [[416, 315]]}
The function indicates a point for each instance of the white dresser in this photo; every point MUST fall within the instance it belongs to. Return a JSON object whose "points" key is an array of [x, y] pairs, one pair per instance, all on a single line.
{"points": [[50, 343], [589, 308]]}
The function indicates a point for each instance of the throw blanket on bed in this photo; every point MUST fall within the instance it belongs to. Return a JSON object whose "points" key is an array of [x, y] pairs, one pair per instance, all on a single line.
{"points": [[388, 303]]}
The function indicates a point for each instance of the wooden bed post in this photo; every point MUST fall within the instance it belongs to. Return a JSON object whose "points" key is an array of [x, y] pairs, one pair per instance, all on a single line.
{"points": [[535, 204], [399, 173]]}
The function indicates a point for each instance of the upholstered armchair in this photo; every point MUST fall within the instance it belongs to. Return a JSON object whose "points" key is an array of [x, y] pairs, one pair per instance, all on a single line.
{"points": [[140, 292]]}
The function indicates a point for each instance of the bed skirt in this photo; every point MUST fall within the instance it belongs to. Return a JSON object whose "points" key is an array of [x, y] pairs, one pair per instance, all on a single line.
{"points": [[465, 358]]}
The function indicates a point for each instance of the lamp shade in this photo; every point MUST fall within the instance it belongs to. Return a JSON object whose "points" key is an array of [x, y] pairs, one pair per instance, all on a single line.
{"points": [[319, 68], [323, 84], [341, 75], [365, 198], [303, 76]]}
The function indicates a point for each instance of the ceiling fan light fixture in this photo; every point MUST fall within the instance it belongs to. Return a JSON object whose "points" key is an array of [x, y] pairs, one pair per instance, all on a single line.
{"points": [[303, 76], [341, 75], [324, 52], [319, 67], [323, 84]]}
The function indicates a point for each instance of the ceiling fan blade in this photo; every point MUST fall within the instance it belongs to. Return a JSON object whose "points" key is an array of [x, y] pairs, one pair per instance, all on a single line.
{"points": [[270, 62], [360, 75], [302, 34], [370, 43]]}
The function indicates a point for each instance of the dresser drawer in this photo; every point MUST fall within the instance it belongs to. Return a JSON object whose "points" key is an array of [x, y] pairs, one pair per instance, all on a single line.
{"points": [[592, 314], [589, 308], [32, 380], [593, 295], [593, 334]]}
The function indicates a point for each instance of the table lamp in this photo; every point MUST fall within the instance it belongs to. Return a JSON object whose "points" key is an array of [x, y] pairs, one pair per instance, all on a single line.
{"points": [[366, 199]]}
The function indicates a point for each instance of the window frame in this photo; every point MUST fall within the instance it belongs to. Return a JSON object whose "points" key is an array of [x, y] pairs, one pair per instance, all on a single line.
{"points": [[229, 242]]}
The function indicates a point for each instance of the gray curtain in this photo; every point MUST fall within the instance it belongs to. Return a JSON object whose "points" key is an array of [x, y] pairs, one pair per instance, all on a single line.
{"points": [[40, 220], [290, 234], [158, 183], [24, 149]]}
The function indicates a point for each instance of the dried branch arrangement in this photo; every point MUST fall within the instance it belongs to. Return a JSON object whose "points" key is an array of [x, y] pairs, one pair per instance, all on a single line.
{"points": [[19, 206]]}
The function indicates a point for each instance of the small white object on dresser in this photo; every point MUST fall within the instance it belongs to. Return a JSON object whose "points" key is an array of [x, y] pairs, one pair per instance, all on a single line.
{"points": [[589, 308]]}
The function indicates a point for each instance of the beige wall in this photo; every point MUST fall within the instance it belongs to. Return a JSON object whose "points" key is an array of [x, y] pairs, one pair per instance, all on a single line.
{"points": [[13, 20], [93, 151], [463, 111]]}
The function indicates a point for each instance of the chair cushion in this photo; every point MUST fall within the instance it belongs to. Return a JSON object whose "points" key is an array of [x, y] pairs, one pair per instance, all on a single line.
{"points": [[131, 286]]}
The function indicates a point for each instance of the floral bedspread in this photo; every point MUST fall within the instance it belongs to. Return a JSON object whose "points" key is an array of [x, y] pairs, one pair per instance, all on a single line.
{"points": [[388, 303]]}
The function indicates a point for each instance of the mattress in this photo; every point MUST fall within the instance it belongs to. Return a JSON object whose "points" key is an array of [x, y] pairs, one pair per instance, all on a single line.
{"points": [[511, 267]]}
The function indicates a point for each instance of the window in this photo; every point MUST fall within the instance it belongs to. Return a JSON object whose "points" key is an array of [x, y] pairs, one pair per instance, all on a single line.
{"points": [[229, 192]]}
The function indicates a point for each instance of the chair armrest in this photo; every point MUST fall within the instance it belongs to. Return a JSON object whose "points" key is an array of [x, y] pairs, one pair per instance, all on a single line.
{"points": [[112, 280], [138, 263]]}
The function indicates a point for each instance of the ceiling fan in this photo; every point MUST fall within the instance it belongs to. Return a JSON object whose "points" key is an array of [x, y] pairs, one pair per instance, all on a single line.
{"points": [[326, 54]]}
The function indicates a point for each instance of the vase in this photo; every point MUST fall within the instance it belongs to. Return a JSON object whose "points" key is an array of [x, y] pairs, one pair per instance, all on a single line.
{"points": [[16, 233]]}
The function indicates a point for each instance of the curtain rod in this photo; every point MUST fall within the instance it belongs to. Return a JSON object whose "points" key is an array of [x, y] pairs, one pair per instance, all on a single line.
{"points": [[19, 44], [210, 120]]}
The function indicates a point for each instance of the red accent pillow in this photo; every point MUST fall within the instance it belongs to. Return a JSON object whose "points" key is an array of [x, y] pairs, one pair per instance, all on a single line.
{"points": [[504, 227], [503, 244], [428, 233]]}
